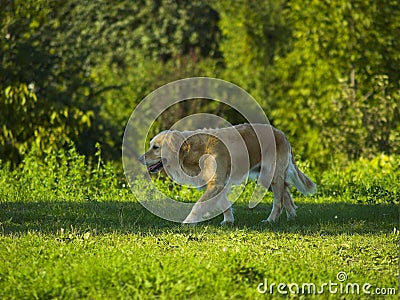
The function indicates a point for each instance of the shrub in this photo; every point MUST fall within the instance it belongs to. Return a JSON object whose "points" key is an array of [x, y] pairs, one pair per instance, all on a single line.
{"points": [[373, 180], [62, 175]]}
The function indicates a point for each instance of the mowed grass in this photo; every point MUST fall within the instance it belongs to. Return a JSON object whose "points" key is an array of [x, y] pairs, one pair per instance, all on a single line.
{"points": [[70, 228], [117, 249]]}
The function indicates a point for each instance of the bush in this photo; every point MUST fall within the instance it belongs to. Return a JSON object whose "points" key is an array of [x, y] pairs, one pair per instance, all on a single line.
{"points": [[62, 175], [365, 180]]}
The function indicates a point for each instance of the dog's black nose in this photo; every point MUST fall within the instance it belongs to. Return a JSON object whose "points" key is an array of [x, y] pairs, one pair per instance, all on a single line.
{"points": [[142, 159]]}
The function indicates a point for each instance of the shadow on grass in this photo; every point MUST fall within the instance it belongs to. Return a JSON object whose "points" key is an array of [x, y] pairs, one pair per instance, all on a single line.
{"points": [[130, 217]]}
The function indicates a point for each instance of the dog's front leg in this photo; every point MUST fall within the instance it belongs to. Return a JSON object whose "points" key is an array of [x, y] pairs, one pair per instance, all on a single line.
{"points": [[205, 205], [226, 207]]}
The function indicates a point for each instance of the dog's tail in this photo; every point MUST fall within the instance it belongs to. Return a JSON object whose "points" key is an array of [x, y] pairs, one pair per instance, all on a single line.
{"points": [[300, 180]]}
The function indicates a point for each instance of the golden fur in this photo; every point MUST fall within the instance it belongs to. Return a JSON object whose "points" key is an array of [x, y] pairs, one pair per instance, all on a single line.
{"points": [[217, 158]]}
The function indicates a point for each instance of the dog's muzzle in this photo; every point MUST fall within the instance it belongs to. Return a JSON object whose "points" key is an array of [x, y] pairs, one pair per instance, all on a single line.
{"points": [[152, 168], [155, 168]]}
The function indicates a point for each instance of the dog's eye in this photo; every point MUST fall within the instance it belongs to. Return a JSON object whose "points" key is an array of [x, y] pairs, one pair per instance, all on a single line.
{"points": [[155, 147]]}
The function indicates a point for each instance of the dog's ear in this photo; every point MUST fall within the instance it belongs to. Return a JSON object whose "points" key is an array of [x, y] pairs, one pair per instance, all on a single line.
{"points": [[176, 140]]}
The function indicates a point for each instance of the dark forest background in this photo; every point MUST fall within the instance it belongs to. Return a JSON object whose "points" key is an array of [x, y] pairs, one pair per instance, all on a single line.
{"points": [[326, 72]]}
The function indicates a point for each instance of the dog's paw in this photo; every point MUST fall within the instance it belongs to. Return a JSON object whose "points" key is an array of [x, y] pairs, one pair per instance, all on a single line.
{"points": [[189, 224], [227, 223], [291, 217], [190, 220], [269, 220]]}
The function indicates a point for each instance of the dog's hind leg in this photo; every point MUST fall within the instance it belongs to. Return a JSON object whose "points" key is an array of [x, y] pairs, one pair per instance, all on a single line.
{"points": [[279, 190], [289, 204], [228, 217], [226, 208]]}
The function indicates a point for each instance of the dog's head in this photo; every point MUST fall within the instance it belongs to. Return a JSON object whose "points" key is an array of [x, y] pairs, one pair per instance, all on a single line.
{"points": [[163, 150]]}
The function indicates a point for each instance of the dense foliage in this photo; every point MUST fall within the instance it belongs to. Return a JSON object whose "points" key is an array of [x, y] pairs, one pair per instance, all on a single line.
{"points": [[325, 72], [69, 176]]}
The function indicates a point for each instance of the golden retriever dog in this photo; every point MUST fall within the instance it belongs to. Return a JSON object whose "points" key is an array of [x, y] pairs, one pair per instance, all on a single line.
{"points": [[218, 158]]}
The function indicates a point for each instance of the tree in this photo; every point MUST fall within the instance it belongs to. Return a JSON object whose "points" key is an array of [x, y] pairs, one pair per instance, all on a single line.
{"points": [[254, 33], [40, 84], [339, 91], [55, 56]]}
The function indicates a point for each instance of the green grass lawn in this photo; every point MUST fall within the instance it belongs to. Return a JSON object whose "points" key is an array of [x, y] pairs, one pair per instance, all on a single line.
{"points": [[71, 229], [117, 249]]}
